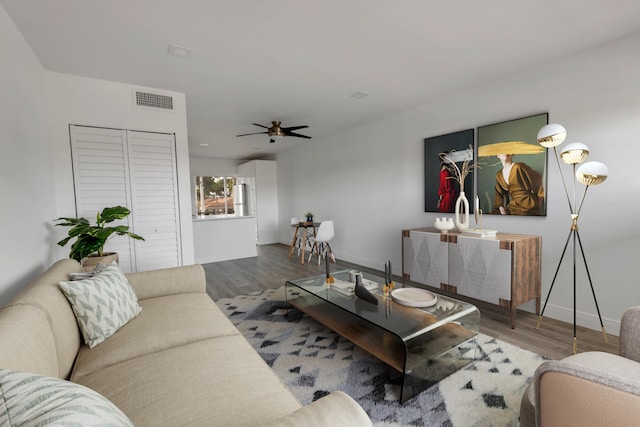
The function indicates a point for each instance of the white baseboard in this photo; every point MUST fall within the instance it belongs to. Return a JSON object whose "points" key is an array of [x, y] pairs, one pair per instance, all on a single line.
{"points": [[588, 320]]}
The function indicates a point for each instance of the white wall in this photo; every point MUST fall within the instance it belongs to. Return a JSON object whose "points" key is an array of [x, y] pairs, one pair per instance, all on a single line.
{"points": [[213, 166], [222, 239], [370, 179], [27, 199], [91, 102]]}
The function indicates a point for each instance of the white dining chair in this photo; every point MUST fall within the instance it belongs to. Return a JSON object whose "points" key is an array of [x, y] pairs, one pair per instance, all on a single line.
{"points": [[321, 241]]}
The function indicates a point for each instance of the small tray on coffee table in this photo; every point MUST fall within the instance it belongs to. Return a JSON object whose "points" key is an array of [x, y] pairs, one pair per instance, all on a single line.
{"points": [[414, 297]]}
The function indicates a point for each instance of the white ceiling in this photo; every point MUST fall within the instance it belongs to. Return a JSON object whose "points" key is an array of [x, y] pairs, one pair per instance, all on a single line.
{"points": [[299, 61]]}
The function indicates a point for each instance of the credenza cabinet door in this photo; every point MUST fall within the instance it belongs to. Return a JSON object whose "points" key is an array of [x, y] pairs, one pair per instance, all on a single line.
{"points": [[426, 258], [480, 269], [137, 170]]}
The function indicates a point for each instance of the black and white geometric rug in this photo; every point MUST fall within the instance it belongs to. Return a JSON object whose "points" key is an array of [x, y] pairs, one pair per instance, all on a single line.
{"points": [[314, 361]]}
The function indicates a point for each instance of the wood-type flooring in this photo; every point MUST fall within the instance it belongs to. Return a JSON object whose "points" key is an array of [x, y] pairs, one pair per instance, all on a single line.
{"points": [[273, 267]]}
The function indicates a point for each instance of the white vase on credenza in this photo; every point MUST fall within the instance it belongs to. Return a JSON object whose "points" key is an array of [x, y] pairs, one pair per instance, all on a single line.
{"points": [[462, 212]]}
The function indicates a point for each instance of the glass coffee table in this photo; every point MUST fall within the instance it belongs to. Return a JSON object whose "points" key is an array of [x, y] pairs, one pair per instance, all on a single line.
{"points": [[423, 344]]}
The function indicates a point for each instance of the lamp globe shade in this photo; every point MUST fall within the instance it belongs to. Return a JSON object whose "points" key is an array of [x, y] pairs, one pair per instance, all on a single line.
{"points": [[574, 153], [551, 135], [592, 173]]}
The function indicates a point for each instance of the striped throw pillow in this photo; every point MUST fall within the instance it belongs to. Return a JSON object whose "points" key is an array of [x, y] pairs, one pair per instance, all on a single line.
{"points": [[33, 400]]}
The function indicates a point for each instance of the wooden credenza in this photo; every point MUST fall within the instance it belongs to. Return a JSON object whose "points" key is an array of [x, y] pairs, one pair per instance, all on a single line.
{"points": [[504, 270]]}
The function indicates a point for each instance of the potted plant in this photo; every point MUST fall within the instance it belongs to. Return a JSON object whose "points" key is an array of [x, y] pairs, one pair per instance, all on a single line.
{"points": [[309, 216], [91, 239]]}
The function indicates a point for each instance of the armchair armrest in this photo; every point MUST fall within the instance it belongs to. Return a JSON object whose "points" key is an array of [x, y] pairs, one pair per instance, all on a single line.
{"points": [[588, 389], [630, 334], [168, 281], [335, 409]]}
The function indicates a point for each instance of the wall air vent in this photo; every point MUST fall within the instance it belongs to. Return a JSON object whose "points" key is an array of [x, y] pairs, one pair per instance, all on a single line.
{"points": [[153, 100]]}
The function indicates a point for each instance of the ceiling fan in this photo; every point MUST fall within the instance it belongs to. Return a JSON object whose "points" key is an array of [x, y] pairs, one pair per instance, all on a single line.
{"points": [[277, 132]]}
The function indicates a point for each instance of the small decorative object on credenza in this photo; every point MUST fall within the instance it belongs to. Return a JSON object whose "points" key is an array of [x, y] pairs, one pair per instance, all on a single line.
{"points": [[479, 231], [589, 174], [444, 224], [363, 293]]}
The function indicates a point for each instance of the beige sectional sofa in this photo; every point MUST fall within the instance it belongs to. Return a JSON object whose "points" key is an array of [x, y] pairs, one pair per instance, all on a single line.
{"points": [[179, 362]]}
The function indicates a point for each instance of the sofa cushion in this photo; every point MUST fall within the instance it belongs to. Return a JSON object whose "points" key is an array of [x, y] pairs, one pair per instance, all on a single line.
{"points": [[44, 293], [29, 399], [163, 323], [217, 382], [26, 341], [102, 304], [168, 281], [334, 409]]}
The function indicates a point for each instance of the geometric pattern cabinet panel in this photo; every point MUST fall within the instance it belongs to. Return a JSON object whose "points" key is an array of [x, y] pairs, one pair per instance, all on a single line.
{"points": [[426, 258], [503, 270], [480, 269]]}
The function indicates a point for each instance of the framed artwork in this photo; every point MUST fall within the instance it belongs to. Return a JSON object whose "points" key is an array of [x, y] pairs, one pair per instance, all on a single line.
{"points": [[512, 176], [440, 189]]}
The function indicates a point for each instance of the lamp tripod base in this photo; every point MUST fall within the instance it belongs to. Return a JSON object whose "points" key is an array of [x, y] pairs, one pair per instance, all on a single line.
{"points": [[573, 233], [539, 321]]}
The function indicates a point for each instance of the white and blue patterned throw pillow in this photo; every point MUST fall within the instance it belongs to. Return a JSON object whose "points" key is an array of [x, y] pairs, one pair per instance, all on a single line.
{"points": [[33, 400], [102, 304]]}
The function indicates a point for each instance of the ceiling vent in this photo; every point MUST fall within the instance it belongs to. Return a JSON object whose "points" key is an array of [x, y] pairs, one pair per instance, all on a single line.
{"points": [[153, 100]]}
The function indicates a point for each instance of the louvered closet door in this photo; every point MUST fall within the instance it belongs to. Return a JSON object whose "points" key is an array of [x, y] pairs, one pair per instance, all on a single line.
{"points": [[101, 175], [137, 170], [154, 189]]}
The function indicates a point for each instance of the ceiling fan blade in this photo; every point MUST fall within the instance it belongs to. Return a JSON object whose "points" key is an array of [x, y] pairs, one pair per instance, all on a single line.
{"points": [[294, 128], [297, 135], [262, 126], [254, 133]]}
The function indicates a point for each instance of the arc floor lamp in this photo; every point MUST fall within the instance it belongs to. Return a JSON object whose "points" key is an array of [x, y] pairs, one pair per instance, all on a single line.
{"points": [[589, 174]]}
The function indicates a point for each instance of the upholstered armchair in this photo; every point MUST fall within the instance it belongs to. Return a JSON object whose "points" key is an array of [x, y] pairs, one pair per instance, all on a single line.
{"points": [[589, 389]]}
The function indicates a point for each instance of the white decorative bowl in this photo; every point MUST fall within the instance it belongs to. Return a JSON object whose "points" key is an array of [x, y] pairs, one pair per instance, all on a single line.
{"points": [[444, 224]]}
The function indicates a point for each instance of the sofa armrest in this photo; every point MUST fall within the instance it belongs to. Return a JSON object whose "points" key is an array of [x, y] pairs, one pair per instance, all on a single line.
{"points": [[335, 409], [630, 334], [168, 281], [571, 394]]}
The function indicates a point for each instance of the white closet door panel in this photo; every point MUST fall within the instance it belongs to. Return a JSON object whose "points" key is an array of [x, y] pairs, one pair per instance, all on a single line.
{"points": [[100, 170], [154, 188]]}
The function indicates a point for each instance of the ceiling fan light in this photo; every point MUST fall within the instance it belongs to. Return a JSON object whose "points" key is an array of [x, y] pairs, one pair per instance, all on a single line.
{"points": [[551, 135], [574, 153]]}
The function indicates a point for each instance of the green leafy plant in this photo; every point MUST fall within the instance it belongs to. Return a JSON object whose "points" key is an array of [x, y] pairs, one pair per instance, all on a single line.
{"points": [[92, 238]]}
